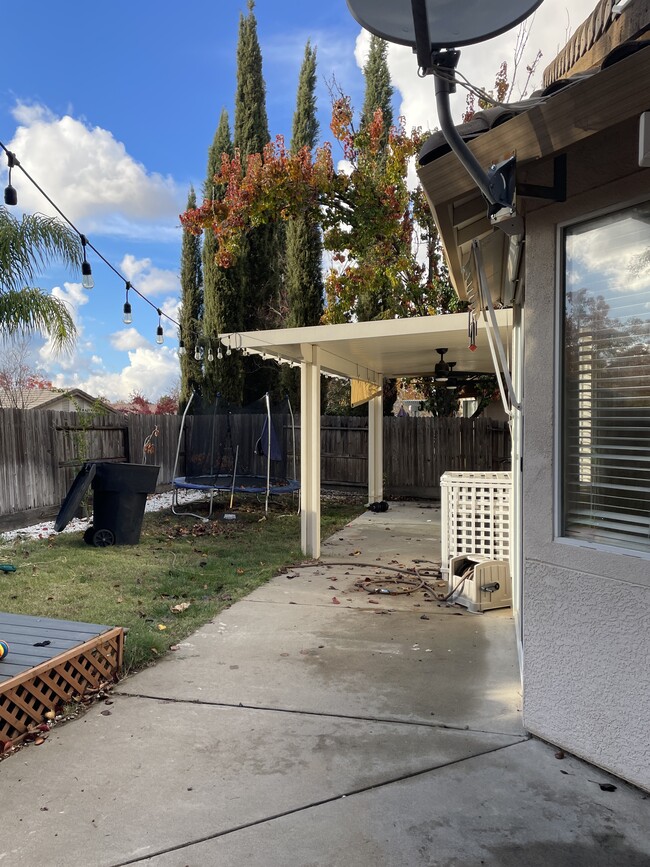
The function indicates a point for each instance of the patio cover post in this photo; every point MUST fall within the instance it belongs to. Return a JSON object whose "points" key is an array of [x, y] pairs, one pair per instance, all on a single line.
{"points": [[375, 450], [310, 452]]}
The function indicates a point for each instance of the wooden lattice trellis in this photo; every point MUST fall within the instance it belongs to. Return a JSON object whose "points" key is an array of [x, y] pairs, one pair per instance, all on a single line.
{"points": [[25, 698]]}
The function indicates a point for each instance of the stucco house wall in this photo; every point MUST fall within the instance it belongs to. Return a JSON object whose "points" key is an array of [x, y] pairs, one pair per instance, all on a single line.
{"points": [[586, 611]]}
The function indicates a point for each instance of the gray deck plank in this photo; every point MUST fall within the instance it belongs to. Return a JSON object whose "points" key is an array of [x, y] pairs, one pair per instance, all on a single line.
{"points": [[51, 623], [22, 632]]}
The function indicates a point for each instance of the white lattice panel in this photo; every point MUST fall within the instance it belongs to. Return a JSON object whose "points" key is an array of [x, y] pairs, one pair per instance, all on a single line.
{"points": [[475, 515]]}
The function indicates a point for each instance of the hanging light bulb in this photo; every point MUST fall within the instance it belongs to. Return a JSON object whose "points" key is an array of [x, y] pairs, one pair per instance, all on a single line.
{"points": [[197, 353], [11, 196], [159, 331], [181, 347], [210, 354], [86, 271], [127, 318], [219, 354], [229, 351]]}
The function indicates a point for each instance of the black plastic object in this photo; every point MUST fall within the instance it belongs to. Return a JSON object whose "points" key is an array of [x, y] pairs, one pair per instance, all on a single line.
{"points": [[74, 496], [381, 506], [120, 495]]}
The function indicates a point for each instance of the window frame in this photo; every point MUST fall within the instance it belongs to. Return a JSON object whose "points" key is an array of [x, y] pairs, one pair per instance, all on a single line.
{"points": [[558, 381]]}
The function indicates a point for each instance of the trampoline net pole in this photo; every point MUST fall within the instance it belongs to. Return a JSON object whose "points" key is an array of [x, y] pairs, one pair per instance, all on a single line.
{"points": [[268, 450]]}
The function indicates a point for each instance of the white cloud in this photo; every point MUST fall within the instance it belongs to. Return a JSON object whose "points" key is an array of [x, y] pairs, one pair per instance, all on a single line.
{"points": [[128, 339], [150, 371], [147, 278], [90, 176]]}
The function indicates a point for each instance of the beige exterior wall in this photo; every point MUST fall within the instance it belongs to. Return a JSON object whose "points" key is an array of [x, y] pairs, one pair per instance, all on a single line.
{"points": [[586, 612]]}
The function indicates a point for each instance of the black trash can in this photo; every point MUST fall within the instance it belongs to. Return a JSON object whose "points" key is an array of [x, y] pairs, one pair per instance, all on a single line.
{"points": [[119, 497]]}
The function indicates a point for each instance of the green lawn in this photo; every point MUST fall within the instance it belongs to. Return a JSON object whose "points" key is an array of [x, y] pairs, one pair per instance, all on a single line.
{"points": [[179, 560]]}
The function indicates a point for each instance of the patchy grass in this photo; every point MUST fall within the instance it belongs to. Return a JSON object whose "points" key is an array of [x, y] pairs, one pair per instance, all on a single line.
{"points": [[178, 561]]}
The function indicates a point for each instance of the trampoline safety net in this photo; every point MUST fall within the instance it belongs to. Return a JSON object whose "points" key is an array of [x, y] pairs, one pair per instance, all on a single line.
{"points": [[252, 446]]}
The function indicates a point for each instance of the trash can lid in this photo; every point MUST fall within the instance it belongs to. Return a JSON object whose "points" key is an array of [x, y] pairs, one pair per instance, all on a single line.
{"points": [[74, 496]]}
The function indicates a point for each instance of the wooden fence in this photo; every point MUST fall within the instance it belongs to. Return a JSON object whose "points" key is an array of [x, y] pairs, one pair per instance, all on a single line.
{"points": [[417, 451], [41, 452]]}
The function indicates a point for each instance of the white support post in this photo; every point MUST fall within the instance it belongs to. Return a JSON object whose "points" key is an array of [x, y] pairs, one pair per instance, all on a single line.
{"points": [[310, 454], [375, 450]]}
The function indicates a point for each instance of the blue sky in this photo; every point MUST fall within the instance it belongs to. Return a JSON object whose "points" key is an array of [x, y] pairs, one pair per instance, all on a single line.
{"points": [[112, 108]]}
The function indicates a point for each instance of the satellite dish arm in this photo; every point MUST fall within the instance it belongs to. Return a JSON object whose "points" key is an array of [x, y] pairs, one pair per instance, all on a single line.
{"points": [[491, 185], [445, 62]]}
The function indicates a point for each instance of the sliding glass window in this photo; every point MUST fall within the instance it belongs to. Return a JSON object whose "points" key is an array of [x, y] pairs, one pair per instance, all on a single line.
{"points": [[605, 460]]}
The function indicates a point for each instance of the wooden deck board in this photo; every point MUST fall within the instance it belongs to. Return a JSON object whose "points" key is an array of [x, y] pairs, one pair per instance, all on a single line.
{"points": [[23, 632], [36, 679]]}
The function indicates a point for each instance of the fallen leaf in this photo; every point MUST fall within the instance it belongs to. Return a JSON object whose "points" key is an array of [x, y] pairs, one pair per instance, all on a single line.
{"points": [[39, 741], [161, 626], [373, 602], [175, 647], [607, 787], [182, 606], [106, 712], [335, 600], [559, 754]]}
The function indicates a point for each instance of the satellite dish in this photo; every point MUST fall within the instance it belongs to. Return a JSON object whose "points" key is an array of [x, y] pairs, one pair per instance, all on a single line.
{"points": [[451, 23]]}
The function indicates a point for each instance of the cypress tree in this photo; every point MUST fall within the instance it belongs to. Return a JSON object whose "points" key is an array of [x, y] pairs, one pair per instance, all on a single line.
{"points": [[379, 90], [260, 268], [303, 282], [378, 94], [191, 310], [221, 289]]}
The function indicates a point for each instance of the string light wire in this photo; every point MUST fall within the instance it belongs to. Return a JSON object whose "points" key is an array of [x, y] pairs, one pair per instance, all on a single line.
{"points": [[14, 163]]}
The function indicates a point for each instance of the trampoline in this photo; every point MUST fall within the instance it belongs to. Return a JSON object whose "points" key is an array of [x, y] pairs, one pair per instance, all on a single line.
{"points": [[235, 450]]}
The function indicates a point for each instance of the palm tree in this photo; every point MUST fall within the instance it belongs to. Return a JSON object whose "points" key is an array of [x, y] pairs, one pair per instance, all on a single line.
{"points": [[27, 246]]}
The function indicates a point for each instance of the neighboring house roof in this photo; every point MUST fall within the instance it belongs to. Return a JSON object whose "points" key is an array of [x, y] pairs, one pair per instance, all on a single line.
{"points": [[48, 398], [591, 99]]}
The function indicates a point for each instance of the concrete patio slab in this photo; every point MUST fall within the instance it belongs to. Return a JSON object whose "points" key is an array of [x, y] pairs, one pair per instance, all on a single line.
{"points": [[297, 731], [455, 671], [510, 808], [141, 776]]}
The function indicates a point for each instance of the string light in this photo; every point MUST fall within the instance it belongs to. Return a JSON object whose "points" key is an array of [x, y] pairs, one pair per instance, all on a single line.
{"points": [[86, 271], [127, 318], [210, 354], [197, 353], [181, 346], [11, 196], [159, 331], [219, 353]]}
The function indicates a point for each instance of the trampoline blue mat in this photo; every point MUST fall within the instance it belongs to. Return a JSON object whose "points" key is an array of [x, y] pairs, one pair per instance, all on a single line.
{"points": [[243, 484]]}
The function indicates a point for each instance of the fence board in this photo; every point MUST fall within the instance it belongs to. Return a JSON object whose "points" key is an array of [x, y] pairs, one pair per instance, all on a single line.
{"points": [[41, 451]]}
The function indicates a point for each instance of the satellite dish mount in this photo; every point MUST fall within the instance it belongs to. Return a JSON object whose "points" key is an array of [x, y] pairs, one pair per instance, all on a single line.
{"points": [[435, 29]]}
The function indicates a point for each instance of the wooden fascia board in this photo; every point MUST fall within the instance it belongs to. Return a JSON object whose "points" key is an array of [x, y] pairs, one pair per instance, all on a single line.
{"points": [[605, 99]]}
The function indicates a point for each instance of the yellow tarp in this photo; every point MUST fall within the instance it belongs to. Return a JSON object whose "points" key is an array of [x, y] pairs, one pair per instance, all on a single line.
{"points": [[362, 392]]}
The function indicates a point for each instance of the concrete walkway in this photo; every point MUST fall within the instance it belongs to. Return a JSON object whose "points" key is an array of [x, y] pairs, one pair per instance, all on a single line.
{"points": [[315, 724]]}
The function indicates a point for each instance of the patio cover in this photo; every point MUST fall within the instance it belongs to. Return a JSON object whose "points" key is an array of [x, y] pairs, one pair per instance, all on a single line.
{"points": [[371, 352]]}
